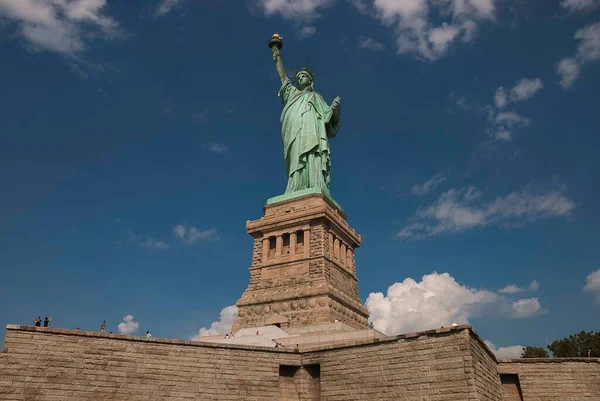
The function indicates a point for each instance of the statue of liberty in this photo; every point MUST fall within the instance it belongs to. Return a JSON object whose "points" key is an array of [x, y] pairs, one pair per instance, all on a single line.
{"points": [[307, 122]]}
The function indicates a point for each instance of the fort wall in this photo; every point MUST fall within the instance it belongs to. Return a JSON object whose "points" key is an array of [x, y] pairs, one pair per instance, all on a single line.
{"points": [[47, 364], [553, 379]]}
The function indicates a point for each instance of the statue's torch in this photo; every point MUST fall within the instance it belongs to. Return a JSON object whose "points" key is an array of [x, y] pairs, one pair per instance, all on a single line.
{"points": [[275, 44]]}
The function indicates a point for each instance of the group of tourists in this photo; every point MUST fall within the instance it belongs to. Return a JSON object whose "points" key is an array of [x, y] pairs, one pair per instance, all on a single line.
{"points": [[47, 320]]}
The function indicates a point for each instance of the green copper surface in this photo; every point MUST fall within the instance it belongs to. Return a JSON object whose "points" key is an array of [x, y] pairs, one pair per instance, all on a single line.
{"points": [[307, 124]]}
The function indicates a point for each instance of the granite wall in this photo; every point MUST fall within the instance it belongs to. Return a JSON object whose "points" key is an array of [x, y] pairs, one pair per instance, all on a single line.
{"points": [[554, 379], [63, 365], [445, 364]]}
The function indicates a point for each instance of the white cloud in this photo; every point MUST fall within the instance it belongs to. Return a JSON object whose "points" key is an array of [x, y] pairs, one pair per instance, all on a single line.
{"points": [[429, 185], [511, 119], [460, 101], [462, 209], [222, 326], [144, 241], [527, 308], [503, 123], [588, 49], [411, 20], [361, 6], [179, 231], [306, 32], [368, 43], [525, 89], [568, 69], [522, 90], [500, 97], [415, 32], [438, 300], [191, 235], [500, 133], [303, 10], [61, 26], [513, 289], [579, 5], [217, 147], [593, 284], [166, 6], [512, 351], [128, 325], [152, 243], [534, 285], [441, 37]]}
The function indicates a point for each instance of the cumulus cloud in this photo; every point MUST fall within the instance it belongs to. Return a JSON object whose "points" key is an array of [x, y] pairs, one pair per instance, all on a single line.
{"points": [[588, 49], [368, 43], [428, 186], [128, 325], [438, 300], [462, 209], [191, 235], [527, 308], [513, 289], [143, 240], [579, 5], [592, 284], [512, 351], [222, 326], [62, 26], [164, 7]]}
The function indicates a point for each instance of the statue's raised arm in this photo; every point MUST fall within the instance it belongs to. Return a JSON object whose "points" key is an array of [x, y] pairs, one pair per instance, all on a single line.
{"points": [[276, 43]]}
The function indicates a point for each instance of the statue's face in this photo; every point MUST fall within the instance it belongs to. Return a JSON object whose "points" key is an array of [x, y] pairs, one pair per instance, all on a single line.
{"points": [[303, 80]]}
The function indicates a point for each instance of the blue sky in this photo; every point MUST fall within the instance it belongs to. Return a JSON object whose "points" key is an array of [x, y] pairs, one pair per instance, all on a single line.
{"points": [[138, 139]]}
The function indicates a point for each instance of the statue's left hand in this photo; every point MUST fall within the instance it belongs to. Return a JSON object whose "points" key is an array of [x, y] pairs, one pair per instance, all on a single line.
{"points": [[335, 105]]}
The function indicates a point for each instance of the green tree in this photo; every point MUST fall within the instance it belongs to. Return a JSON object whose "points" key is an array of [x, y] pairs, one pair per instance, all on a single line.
{"points": [[577, 345], [534, 352]]}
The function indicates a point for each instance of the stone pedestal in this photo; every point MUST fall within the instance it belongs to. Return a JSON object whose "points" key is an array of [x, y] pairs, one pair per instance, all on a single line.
{"points": [[303, 270]]}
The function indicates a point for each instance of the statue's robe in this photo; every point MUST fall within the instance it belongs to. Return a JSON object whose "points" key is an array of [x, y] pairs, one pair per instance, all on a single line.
{"points": [[306, 124]]}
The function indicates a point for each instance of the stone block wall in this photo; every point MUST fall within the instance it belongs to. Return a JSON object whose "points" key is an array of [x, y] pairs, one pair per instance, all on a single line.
{"points": [[555, 379], [487, 382], [436, 365], [59, 365], [40, 364]]}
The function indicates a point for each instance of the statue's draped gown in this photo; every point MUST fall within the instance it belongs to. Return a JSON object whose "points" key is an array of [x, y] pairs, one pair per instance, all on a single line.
{"points": [[306, 124]]}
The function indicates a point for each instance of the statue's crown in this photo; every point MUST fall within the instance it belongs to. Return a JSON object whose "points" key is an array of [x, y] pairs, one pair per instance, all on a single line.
{"points": [[305, 69]]}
